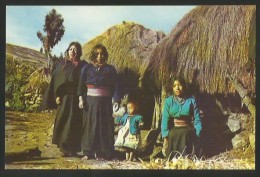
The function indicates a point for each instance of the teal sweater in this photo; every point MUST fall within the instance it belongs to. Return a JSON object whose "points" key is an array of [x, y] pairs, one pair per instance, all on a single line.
{"points": [[135, 120], [173, 110]]}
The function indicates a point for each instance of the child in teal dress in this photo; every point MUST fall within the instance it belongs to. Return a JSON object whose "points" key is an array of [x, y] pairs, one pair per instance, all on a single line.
{"points": [[129, 138]]}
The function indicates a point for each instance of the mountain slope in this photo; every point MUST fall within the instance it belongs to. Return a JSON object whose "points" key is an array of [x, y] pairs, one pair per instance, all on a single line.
{"points": [[26, 54]]}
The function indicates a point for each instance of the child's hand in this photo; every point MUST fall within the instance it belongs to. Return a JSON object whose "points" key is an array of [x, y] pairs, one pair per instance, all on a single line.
{"points": [[141, 124]]}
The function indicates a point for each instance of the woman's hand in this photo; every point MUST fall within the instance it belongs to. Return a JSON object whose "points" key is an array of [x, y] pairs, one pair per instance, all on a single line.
{"points": [[80, 102], [165, 146], [58, 100]]}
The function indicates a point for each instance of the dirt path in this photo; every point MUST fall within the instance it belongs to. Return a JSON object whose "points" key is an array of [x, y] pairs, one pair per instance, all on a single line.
{"points": [[28, 146]]}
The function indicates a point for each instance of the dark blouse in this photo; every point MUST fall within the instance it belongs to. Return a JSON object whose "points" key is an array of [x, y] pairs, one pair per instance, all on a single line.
{"points": [[106, 76], [64, 80]]}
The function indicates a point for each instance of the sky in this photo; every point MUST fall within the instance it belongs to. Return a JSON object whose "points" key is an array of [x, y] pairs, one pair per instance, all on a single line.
{"points": [[83, 23]]}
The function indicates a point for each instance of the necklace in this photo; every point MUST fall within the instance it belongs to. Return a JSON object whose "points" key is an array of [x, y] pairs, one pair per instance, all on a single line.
{"points": [[179, 100]]}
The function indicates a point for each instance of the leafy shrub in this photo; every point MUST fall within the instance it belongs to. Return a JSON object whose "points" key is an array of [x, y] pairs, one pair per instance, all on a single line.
{"points": [[16, 76], [17, 102]]}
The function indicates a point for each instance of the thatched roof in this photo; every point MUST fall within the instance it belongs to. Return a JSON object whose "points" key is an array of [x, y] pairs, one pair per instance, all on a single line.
{"points": [[128, 44], [212, 40]]}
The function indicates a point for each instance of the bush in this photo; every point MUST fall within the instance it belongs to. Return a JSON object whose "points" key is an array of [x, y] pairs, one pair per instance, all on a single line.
{"points": [[16, 76], [17, 102]]}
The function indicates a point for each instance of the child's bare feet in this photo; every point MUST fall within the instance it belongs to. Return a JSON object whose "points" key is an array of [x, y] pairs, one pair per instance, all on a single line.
{"points": [[85, 157]]}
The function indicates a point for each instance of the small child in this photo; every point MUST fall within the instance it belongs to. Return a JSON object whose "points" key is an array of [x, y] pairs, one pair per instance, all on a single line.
{"points": [[129, 135]]}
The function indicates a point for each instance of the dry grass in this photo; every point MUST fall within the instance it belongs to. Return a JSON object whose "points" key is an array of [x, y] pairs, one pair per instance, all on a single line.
{"points": [[212, 40], [232, 160]]}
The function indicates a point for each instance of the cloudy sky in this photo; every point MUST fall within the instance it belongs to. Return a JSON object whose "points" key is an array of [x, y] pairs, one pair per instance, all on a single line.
{"points": [[83, 23]]}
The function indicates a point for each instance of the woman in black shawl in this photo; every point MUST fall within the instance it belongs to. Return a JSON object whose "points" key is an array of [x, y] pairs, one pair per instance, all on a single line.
{"points": [[62, 93], [96, 89]]}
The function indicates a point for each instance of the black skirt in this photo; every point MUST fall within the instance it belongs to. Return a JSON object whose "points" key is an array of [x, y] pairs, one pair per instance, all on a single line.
{"points": [[181, 141], [98, 126], [68, 125]]}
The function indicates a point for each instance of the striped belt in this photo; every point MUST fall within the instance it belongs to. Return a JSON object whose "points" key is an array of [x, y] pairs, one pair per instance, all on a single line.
{"points": [[94, 90], [181, 123]]}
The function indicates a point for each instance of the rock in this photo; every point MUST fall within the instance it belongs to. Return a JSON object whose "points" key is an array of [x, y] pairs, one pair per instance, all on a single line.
{"points": [[240, 141], [244, 121], [234, 124]]}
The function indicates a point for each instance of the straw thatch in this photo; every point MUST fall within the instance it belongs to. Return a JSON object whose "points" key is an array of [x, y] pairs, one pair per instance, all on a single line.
{"points": [[211, 40], [128, 44]]}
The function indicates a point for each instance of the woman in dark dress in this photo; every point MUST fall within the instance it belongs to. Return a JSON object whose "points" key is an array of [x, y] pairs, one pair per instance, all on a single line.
{"points": [[62, 93], [96, 89], [181, 122]]}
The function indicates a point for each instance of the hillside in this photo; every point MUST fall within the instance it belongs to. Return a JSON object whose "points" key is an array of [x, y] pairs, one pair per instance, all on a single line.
{"points": [[26, 54]]}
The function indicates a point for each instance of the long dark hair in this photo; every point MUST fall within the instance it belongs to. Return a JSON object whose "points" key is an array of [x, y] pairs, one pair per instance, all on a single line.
{"points": [[182, 81], [93, 54], [79, 50]]}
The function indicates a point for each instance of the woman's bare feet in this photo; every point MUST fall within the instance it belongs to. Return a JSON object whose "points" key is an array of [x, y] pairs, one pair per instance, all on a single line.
{"points": [[100, 158]]}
